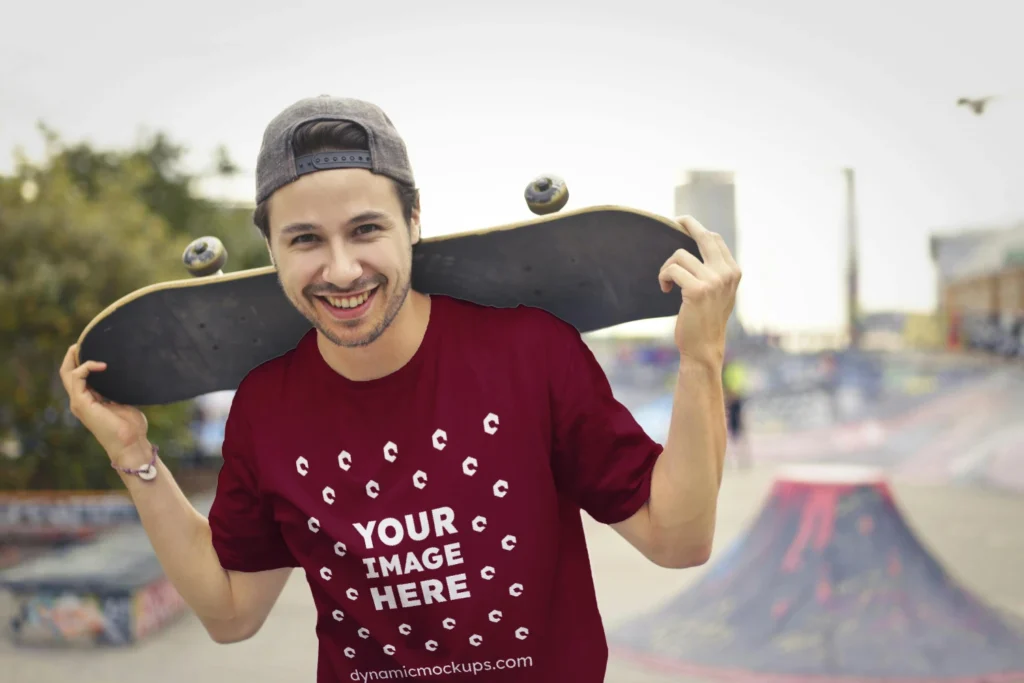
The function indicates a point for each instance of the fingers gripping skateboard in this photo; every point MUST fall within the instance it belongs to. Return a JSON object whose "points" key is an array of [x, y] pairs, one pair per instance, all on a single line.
{"points": [[205, 256], [546, 194]]}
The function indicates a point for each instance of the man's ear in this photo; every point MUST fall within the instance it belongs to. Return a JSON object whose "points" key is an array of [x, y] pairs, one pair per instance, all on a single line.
{"points": [[270, 251], [265, 220], [414, 223]]}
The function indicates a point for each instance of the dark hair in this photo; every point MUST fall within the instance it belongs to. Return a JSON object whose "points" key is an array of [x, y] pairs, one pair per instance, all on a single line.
{"points": [[323, 136]]}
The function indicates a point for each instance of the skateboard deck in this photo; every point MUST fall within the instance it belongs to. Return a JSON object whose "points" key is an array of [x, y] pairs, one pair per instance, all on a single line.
{"points": [[594, 268]]}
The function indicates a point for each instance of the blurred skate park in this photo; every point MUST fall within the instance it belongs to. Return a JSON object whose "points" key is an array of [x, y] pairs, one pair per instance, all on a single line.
{"points": [[871, 515]]}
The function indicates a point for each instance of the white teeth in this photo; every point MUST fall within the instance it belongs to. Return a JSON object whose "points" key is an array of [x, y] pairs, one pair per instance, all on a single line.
{"points": [[348, 302]]}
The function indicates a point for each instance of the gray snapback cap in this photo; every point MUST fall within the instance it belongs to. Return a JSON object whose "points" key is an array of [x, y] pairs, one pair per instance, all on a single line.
{"points": [[277, 164]]}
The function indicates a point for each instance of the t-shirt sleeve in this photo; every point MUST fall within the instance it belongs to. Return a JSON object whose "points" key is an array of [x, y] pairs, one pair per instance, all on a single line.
{"points": [[603, 458], [246, 537]]}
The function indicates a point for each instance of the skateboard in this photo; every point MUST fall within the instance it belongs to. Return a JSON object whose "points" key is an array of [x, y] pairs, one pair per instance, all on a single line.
{"points": [[594, 268]]}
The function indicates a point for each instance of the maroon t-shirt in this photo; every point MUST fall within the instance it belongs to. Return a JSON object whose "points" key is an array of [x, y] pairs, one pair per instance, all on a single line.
{"points": [[436, 511]]}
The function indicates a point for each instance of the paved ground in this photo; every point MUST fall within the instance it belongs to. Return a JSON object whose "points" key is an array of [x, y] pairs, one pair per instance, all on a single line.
{"points": [[977, 534]]}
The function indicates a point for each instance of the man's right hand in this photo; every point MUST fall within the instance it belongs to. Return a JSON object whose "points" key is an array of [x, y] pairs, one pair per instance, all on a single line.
{"points": [[120, 429]]}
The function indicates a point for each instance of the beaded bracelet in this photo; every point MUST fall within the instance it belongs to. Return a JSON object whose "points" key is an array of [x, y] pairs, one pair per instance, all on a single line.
{"points": [[146, 472]]}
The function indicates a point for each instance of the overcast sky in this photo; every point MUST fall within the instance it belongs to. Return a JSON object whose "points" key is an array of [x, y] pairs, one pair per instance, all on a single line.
{"points": [[619, 98]]}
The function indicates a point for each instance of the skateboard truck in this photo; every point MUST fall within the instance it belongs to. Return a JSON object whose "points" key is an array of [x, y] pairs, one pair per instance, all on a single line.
{"points": [[205, 256], [546, 194]]}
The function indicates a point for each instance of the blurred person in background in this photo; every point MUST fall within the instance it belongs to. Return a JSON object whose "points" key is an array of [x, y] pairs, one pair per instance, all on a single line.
{"points": [[424, 460], [736, 387]]}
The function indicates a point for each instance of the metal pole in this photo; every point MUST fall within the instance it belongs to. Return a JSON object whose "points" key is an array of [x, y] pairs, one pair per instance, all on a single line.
{"points": [[852, 302]]}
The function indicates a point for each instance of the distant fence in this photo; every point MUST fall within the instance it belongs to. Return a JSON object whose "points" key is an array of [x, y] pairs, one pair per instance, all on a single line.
{"points": [[52, 515], [794, 391]]}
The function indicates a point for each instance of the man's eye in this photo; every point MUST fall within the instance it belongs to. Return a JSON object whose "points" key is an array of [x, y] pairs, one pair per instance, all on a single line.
{"points": [[367, 228], [303, 238]]}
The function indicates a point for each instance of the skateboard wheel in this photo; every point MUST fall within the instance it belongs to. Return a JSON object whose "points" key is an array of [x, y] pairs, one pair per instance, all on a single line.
{"points": [[546, 194], [204, 256]]}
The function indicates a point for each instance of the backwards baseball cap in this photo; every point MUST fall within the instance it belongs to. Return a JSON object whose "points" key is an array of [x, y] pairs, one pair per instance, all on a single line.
{"points": [[277, 164]]}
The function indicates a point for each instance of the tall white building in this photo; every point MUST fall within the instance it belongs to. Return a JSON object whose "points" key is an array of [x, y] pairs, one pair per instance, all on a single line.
{"points": [[710, 197]]}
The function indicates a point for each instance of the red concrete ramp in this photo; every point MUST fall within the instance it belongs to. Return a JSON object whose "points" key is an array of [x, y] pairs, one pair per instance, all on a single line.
{"points": [[828, 583]]}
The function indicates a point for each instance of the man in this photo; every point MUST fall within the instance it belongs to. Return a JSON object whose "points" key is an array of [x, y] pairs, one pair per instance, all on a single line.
{"points": [[424, 460]]}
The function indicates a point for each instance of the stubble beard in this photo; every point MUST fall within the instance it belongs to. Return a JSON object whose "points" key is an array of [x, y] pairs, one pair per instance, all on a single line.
{"points": [[394, 305]]}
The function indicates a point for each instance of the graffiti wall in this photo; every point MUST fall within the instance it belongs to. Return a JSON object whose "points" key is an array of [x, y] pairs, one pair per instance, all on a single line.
{"points": [[82, 618], [73, 618], [155, 606]]}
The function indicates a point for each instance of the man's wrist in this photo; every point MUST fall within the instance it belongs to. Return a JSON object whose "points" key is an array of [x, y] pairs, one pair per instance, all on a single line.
{"points": [[134, 457], [709, 365]]}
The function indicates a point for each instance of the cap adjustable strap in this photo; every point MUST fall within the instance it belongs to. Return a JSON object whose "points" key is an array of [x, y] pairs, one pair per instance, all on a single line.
{"points": [[324, 160]]}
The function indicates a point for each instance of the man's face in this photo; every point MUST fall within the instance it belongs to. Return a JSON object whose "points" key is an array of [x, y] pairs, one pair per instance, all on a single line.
{"points": [[343, 252]]}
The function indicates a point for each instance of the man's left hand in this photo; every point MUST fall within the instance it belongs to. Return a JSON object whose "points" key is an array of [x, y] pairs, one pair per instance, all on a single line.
{"points": [[708, 291]]}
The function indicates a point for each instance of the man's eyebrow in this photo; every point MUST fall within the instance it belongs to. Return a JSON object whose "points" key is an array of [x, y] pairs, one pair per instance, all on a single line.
{"points": [[297, 227], [370, 215]]}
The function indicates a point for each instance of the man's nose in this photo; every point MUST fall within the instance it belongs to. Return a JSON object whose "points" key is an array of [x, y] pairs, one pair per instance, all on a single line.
{"points": [[343, 269]]}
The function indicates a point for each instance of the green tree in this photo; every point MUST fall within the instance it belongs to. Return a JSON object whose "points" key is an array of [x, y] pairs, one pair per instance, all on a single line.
{"points": [[78, 230], [170, 192]]}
